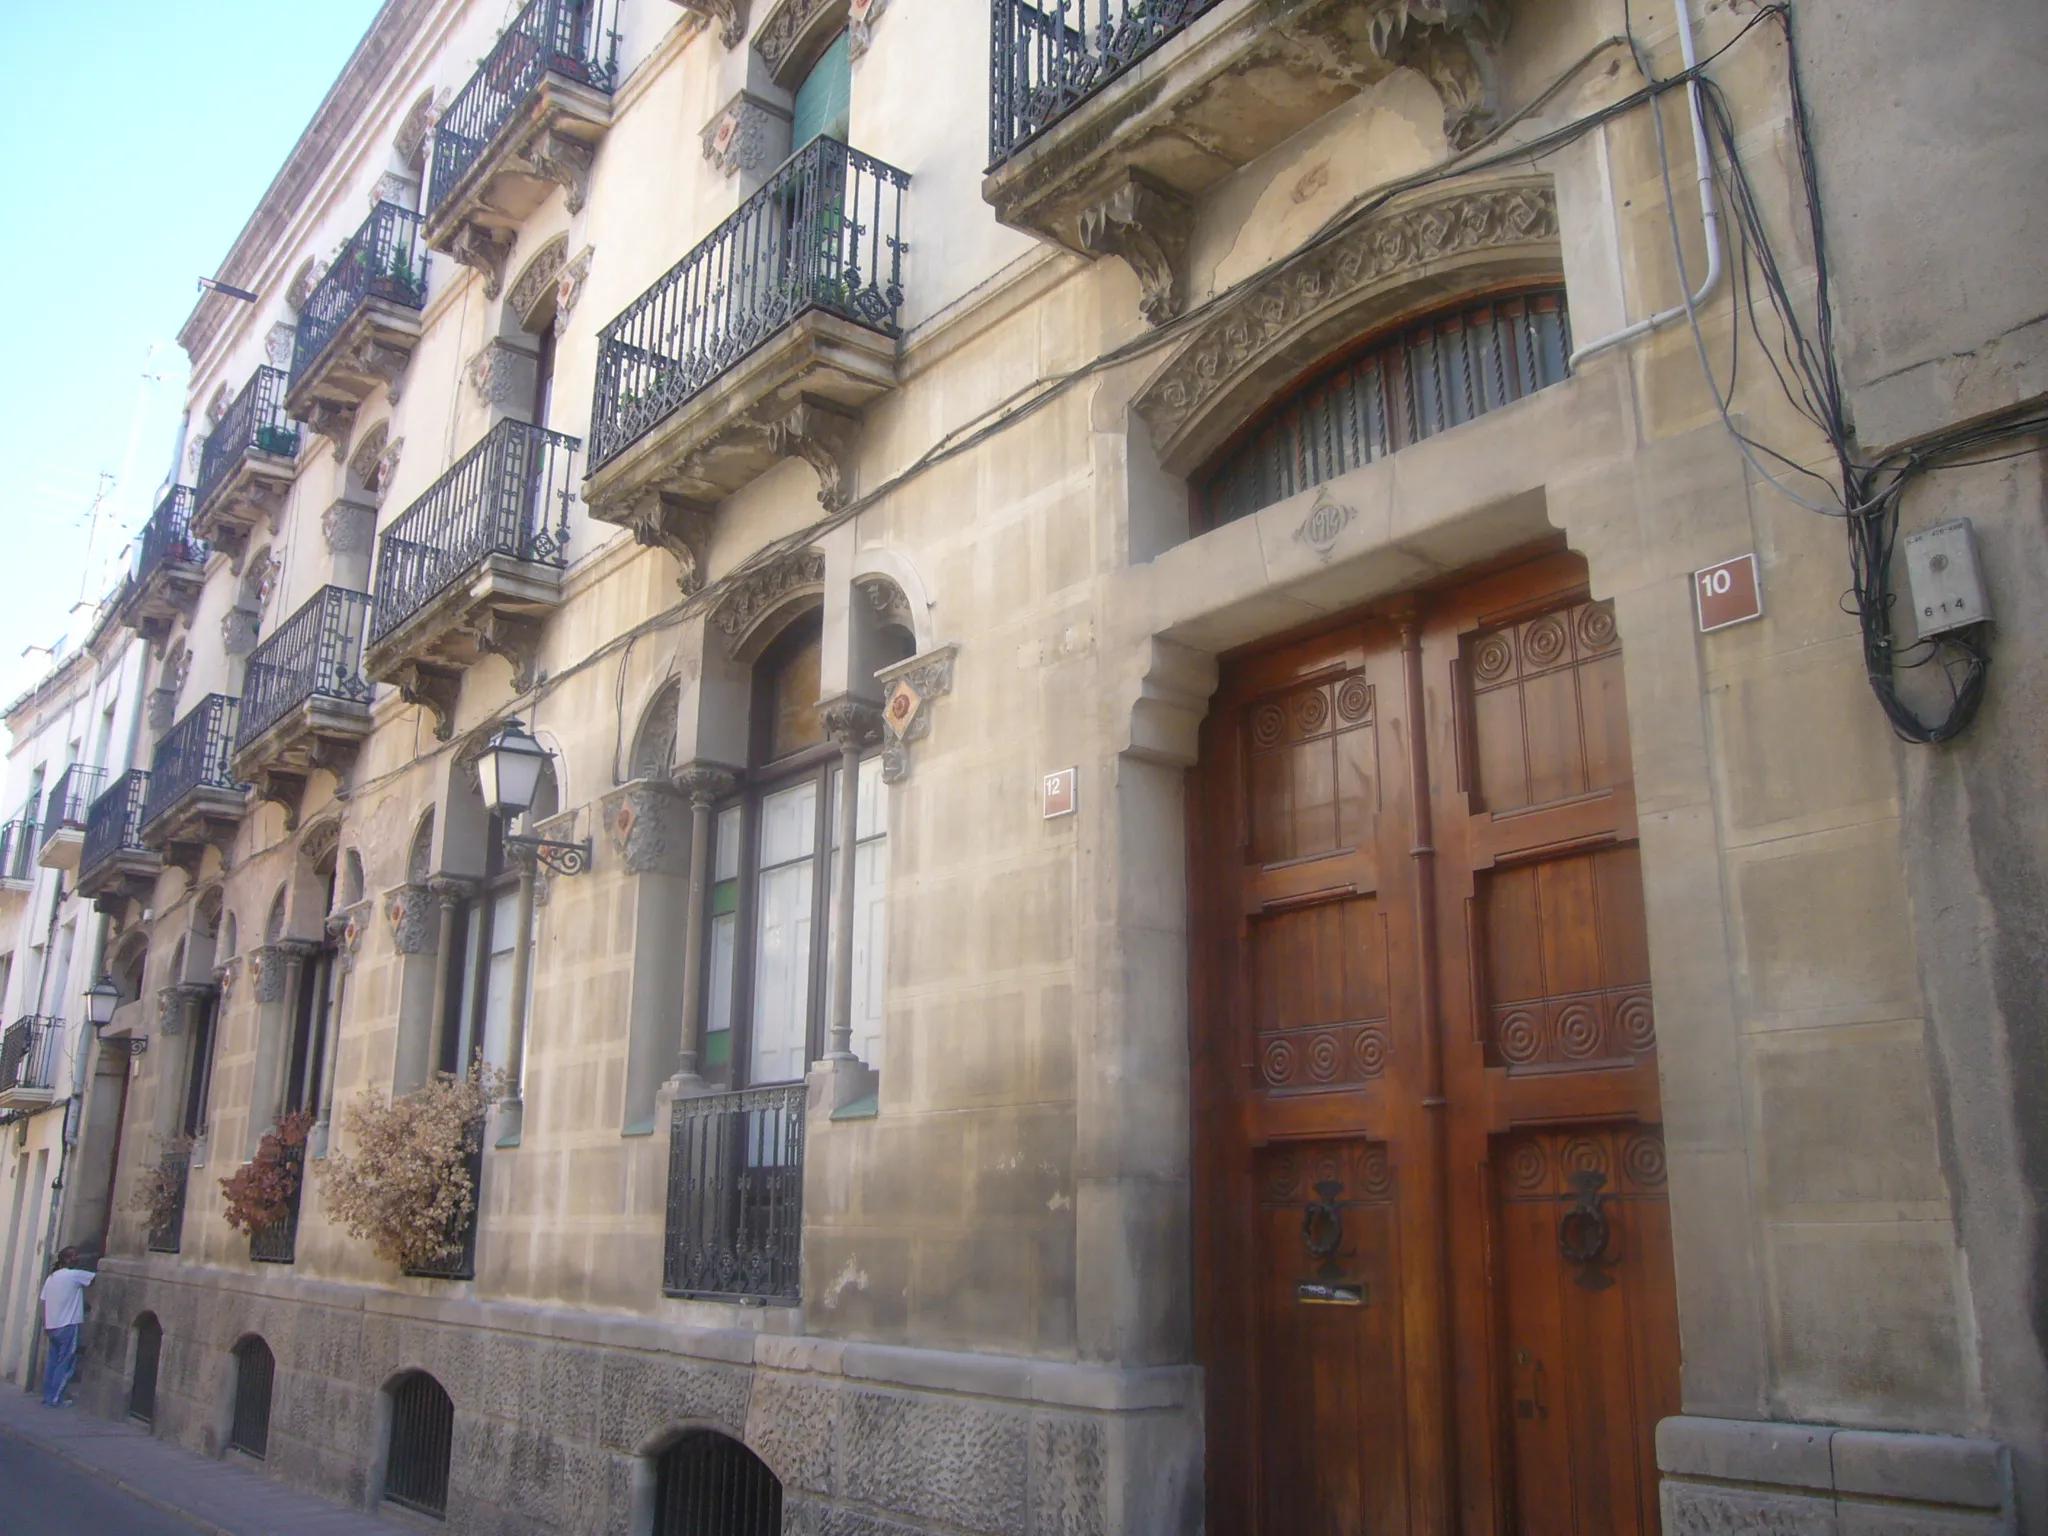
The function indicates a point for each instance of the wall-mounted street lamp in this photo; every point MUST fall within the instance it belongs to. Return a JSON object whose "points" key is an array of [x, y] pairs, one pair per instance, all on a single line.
{"points": [[101, 999], [508, 775]]}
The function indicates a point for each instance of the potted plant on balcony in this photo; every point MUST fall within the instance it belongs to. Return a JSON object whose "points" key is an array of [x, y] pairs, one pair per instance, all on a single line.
{"points": [[263, 1192], [408, 1188]]}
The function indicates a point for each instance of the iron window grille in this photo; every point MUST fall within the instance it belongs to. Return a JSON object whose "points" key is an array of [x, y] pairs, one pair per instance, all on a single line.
{"points": [[168, 1235], [495, 501], [194, 752], [576, 39], [708, 1484], [736, 1195], [28, 1053], [1048, 56], [71, 800], [167, 537], [256, 421], [149, 1346], [825, 232], [1429, 377], [278, 1243], [385, 259], [422, 1435], [255, 1374], [461, 1264], [115, 821], [317, 652], [18, 841]]}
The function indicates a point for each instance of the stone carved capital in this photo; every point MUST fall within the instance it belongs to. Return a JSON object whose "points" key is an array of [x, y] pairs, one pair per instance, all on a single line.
{"points": [[238, 628], [750, 135], [1149, 225], [350, 528], [266, 971], [861, 17], [451, 890], [225, 975], [569, 284], [502, 374], [753, 594], [484, 253], [410, 911], [345, 933], [822, 436], [731, 15], [853, 725], [908, 689], [705, 784], [648, 825]]}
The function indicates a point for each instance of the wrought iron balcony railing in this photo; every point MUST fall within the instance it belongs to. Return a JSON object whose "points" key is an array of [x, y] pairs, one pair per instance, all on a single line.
{"points": [[256, 420], [736, 1195], [115, 821], [577, 39], [318, 651], [194, 753], [278, 1243], [28, 1054], [495, 501], [385, 259], [70, 799], [1047, 56], [18, 840], [825, 232], [167, 1235], [167, 537]]}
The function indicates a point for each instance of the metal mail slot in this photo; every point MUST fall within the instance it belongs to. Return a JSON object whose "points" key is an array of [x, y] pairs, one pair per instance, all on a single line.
{"points": [[1329, 1293]]}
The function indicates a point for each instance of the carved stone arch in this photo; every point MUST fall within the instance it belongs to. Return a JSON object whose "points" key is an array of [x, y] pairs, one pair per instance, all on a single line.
{"points": [[419, 857], [529, 299], [274, 920], [371, 462], [410, 143], [878, 565], [349, 885], [1417, 254], [217, 407], [654, 743], [755, 604], [321, 842], [304, 281]]}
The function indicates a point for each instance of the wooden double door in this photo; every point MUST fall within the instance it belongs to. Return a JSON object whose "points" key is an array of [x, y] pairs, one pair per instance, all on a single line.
{"points": [[1434, 1279]]}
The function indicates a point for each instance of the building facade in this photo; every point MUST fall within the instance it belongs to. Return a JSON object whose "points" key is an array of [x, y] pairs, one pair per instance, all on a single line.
{"points": [[1173, 886]]}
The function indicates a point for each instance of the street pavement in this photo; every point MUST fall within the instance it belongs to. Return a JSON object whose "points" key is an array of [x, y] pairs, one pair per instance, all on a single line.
{"points": [[64, 1472]]}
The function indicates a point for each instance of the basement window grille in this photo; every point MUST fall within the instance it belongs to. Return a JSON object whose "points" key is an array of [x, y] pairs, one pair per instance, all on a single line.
{"points": [[149, 1348], [707, 1484], [255, 1370], [422, 1434]]}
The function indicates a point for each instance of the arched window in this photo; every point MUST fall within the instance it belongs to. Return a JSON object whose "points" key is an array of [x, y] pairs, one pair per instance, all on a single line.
{"points": [[1405, 385], [708, 1484], [654, 744], [419, 858], [149, 1347], [422, 1434], [774, 850], [255, 1370]]}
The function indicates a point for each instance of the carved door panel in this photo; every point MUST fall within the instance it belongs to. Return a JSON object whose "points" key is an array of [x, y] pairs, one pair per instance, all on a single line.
{"points": [[1421, 1026]]}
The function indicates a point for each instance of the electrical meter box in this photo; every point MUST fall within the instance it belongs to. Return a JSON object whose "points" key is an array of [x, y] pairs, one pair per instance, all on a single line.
{"points": [[1946, 583]]}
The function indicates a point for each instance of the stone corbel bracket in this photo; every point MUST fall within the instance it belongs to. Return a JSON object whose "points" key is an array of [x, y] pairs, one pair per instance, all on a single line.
{"points": [[433, 688], [284, 788], [1149, 225], [822, 436], [660, 520], [514, 637], [1453, 44], [484, 252], [908, 690], [731, 16], [565, 161]]}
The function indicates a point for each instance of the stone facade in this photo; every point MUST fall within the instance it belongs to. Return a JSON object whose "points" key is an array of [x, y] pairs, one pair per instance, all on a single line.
{"points": [[989, 1323]]}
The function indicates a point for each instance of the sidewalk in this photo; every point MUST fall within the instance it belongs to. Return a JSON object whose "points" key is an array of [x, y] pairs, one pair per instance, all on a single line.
{"points": [[218, 1497]]}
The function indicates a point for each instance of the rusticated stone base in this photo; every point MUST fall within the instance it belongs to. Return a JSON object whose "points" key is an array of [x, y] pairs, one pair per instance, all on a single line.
{"points": [[1747, 1478], [557, 1412]]}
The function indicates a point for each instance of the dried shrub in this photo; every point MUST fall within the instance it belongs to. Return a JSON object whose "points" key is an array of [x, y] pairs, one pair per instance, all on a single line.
{"points": [[260, 1192], [407, 1187], [158, 1191]]}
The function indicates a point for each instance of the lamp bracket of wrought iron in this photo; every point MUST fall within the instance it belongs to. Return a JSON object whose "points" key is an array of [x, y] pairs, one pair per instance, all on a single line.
{"points": [[134, 1045], [555, 857]]}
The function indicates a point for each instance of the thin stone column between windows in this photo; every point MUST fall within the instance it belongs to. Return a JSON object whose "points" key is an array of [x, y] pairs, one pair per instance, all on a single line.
{"points": [[856, 727], [705, 784]]}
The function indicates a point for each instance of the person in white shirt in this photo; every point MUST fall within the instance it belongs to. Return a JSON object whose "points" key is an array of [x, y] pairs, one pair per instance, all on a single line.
{"points": [[63, 1316]]}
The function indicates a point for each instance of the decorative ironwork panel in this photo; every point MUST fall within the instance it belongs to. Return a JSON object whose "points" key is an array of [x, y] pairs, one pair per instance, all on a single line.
{"points": [[166, 1236], [167, 537], [495, 501], [28, 1053], [385, 259], [278, 1243], [826, 232], [1427, 379], [318, 651], [422, 1435], [70, 799], [709, 1483], [255, 1374], [1048, 56], [736, 1195], [461, 1264], [576, 39], [115, 821], [194, 752], [255, 421]]}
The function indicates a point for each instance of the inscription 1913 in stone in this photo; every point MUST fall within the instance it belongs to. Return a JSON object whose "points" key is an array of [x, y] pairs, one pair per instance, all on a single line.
{"points": [[1326, 520]]}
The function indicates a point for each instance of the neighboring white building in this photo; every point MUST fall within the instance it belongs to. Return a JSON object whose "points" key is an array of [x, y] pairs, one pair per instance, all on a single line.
{"points": [[61, 1097]]}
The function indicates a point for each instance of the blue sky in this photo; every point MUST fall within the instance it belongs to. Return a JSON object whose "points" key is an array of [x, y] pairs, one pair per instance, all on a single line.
{"points": [[140, 138]]}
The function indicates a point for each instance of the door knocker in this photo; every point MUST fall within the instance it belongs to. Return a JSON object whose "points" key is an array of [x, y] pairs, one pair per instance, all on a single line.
{"points": [[1583, 1233], [1322, 1226]]}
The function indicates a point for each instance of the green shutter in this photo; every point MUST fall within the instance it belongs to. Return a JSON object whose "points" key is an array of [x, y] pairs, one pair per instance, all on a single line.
{"points": [[824, 102]]}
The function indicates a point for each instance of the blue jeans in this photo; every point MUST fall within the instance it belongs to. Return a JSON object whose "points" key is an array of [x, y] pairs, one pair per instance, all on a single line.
{"points": [[63, 1355]]}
